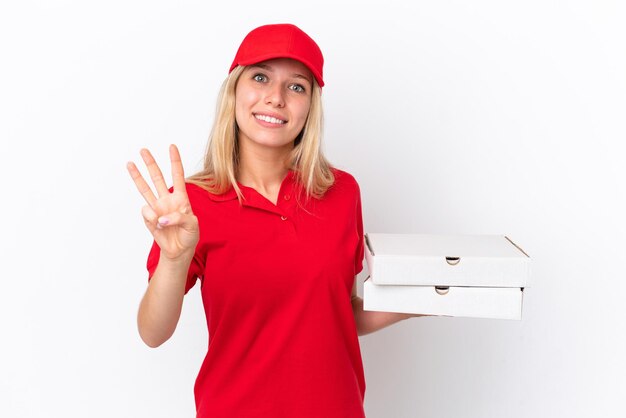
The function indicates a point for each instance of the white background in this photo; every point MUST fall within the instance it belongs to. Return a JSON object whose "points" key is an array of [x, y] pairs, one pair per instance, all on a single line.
{"points": [[483, 117]]}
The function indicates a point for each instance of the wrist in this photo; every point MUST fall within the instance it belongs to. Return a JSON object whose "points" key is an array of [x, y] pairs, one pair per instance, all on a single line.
{"points": [[182, 259]]}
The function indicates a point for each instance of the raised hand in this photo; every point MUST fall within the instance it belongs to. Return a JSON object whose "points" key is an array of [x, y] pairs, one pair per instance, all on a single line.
{"points": [[169, 216]]}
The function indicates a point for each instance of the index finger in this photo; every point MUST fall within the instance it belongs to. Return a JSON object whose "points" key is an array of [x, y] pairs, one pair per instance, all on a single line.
{"points": [[178, 173], [141, 184]]}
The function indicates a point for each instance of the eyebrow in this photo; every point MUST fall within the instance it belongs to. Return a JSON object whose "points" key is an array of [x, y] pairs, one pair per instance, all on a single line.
{"points": [[269, 68]]}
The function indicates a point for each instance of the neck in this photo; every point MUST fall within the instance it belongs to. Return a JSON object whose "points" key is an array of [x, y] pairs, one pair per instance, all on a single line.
{"points": [[262, 168]]}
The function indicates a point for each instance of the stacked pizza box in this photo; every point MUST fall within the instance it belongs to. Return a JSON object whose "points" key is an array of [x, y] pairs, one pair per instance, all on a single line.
{"points": [[481, 276]]}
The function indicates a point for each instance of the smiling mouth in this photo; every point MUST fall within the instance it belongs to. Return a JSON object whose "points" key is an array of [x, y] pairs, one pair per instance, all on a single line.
{"points": [[270, 119]]}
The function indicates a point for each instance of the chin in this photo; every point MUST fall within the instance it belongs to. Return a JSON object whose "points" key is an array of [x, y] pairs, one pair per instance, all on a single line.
{"points": [[277, 145], [273, 142]]}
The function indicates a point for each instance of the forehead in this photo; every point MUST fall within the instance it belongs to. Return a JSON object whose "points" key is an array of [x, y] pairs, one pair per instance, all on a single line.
{"points": [[285, 65]]}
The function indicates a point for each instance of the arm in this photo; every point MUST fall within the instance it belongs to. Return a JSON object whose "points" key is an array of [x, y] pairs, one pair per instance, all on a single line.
{"points": [[170, 220], [160, 308], [370, 321]]}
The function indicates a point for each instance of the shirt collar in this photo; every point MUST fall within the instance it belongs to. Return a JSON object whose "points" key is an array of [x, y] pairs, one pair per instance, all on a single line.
{"points": [[230, 194], [248, 192]]}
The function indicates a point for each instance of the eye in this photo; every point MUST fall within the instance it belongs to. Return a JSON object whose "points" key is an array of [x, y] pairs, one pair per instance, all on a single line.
{"points": [[297, 88], [261, 78]]}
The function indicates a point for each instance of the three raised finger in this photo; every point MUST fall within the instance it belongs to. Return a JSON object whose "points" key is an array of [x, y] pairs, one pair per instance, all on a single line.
{"points": [[155, 172], [178, 173], [141, 184]]}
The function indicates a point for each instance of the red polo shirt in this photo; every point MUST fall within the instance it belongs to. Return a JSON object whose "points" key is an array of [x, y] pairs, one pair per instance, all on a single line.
{"points": [[276, 283]]}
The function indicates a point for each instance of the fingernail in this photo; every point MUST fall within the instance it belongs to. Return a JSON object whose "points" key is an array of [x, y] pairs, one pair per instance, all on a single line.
{"points": [[163, 220]]}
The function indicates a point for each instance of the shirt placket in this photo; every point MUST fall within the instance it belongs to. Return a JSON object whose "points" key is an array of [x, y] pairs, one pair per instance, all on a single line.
{"points": [[283, 210]]}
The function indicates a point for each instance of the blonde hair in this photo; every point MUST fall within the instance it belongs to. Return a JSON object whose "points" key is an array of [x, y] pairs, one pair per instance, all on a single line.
{"points": [[221, 160]]}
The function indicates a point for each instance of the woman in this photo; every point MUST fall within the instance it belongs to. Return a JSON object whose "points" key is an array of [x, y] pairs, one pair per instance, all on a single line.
{"points": [[275, 235]]}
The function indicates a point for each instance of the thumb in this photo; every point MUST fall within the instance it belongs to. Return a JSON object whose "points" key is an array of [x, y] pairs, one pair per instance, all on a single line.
{"points": [[188, 222]]}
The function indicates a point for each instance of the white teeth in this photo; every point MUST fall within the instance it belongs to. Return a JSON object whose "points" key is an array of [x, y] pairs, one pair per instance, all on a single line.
{"points": [[269, 119]]}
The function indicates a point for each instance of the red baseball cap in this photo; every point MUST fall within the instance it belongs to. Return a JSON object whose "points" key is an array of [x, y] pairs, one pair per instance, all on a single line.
{"points": [[280, 41]]}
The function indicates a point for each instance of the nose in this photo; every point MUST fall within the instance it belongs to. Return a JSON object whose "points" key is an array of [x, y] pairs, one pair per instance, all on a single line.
{"points": [[274, 96]]}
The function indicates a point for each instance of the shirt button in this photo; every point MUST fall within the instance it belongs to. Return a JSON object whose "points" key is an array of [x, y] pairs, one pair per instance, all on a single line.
{"points": [[287, 197], [284, 218]]}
